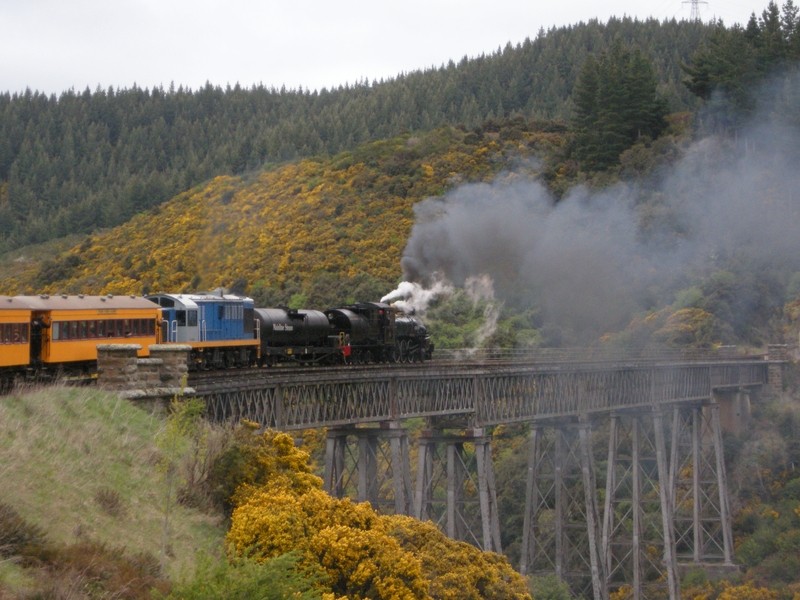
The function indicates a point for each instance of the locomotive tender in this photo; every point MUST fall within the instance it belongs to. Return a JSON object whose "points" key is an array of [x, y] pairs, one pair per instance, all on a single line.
{"points": [[58, 336], [359, 333]]}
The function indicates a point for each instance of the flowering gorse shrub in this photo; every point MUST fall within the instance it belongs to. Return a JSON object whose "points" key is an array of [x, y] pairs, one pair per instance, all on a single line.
{"points": [[364, 554]]}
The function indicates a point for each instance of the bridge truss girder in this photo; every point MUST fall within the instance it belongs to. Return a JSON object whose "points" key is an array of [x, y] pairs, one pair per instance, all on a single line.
{"points": [[370, 464], [456, 486]]}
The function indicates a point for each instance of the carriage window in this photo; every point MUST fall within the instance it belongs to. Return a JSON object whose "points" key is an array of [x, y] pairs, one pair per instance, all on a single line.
{"points": [[180, 315], [126, 328], [84, 330], [101, 329], [118, 330], [25, 328], [5, 333], [73, 330], [192, 321], [92, 329]]}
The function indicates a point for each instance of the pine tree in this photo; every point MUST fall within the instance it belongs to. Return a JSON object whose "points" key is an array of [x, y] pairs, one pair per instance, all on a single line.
{"points": [[791, 29], [616, 103], [727, 71]]}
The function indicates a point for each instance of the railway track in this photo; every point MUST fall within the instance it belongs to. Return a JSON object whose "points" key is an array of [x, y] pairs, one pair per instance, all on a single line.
{"points": [[297, 374]]}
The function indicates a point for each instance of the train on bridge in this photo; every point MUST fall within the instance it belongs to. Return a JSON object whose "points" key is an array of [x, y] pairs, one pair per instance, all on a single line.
{"points": [[57, 336]]}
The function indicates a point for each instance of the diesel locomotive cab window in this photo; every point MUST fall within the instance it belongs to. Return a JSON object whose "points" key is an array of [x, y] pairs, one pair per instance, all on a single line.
{"points": [[180, 316], [192, 320]]}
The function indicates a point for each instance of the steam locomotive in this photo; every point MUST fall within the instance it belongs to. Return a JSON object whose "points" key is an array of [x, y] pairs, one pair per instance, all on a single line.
{"points": [[360, 333], [59, 335]]}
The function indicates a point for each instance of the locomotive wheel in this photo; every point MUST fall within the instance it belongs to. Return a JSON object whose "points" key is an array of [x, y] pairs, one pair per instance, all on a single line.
{"points": [[404, 357], [394, 354]]}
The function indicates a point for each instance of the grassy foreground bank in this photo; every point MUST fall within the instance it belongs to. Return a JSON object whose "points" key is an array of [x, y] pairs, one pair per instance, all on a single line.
{"points": [[81, 465]]}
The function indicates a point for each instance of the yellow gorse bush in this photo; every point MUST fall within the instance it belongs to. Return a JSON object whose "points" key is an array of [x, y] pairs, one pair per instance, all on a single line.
{"points": [[747, 592], [365, 555]]}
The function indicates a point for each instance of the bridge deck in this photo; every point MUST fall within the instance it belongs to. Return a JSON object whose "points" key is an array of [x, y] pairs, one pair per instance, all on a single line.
{"points": [[486, 393]]}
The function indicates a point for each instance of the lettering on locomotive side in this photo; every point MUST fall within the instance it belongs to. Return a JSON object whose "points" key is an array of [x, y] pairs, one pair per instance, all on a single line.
{"points": [[282, 327], [107, 311]]}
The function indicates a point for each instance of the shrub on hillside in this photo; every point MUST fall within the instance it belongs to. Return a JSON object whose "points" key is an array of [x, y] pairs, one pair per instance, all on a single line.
{"points": [[276, 579], [16, 534], [93, 570], [253, 460], [83, 570], [280, 507]]}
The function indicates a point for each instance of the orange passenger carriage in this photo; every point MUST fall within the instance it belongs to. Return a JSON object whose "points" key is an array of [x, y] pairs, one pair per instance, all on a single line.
{"points": [[63, 331], [15, 337]]}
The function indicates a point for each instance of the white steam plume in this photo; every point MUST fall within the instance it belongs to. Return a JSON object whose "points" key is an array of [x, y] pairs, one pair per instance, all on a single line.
{"points": [[414, 298], [482, 289]]}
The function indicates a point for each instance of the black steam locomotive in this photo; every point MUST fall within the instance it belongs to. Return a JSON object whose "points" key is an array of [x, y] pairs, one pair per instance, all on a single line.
{"points": [[361, 333]]}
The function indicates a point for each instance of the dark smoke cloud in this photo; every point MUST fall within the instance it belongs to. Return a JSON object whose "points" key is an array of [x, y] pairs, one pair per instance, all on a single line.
{"points": [[596, 257]]}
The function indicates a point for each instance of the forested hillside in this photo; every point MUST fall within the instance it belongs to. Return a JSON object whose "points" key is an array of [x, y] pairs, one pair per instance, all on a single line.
{"points": [[620, 224], [87, 160], [320, 230]]}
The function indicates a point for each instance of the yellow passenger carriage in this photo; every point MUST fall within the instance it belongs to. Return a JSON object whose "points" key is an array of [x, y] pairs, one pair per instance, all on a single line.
{"points": [[15, 335], [65, 330]]}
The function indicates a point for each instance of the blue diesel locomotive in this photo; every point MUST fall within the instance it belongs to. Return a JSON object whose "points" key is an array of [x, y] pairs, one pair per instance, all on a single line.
{"points": [[219, 327]]}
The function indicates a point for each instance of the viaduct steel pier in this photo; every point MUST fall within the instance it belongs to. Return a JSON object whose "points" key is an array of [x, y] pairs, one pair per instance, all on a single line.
{"points": [[625, 480]]}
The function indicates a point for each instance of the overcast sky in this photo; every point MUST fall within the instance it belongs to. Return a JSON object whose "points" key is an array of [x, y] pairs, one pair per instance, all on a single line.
{"points": [[53, 45]]}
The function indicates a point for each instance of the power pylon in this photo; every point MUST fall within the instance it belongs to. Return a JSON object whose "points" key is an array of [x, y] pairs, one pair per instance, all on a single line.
{"points": [[695, 16]]}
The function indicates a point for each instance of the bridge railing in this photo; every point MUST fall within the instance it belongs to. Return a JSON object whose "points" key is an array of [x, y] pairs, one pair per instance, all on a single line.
{"points": [[589, 354]]}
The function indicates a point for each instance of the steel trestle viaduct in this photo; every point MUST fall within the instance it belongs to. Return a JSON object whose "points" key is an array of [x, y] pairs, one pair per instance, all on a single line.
{"points": [[657, 502]]}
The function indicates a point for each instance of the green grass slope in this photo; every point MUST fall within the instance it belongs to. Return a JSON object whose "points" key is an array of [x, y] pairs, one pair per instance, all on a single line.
{"points": [[65, 452]]}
